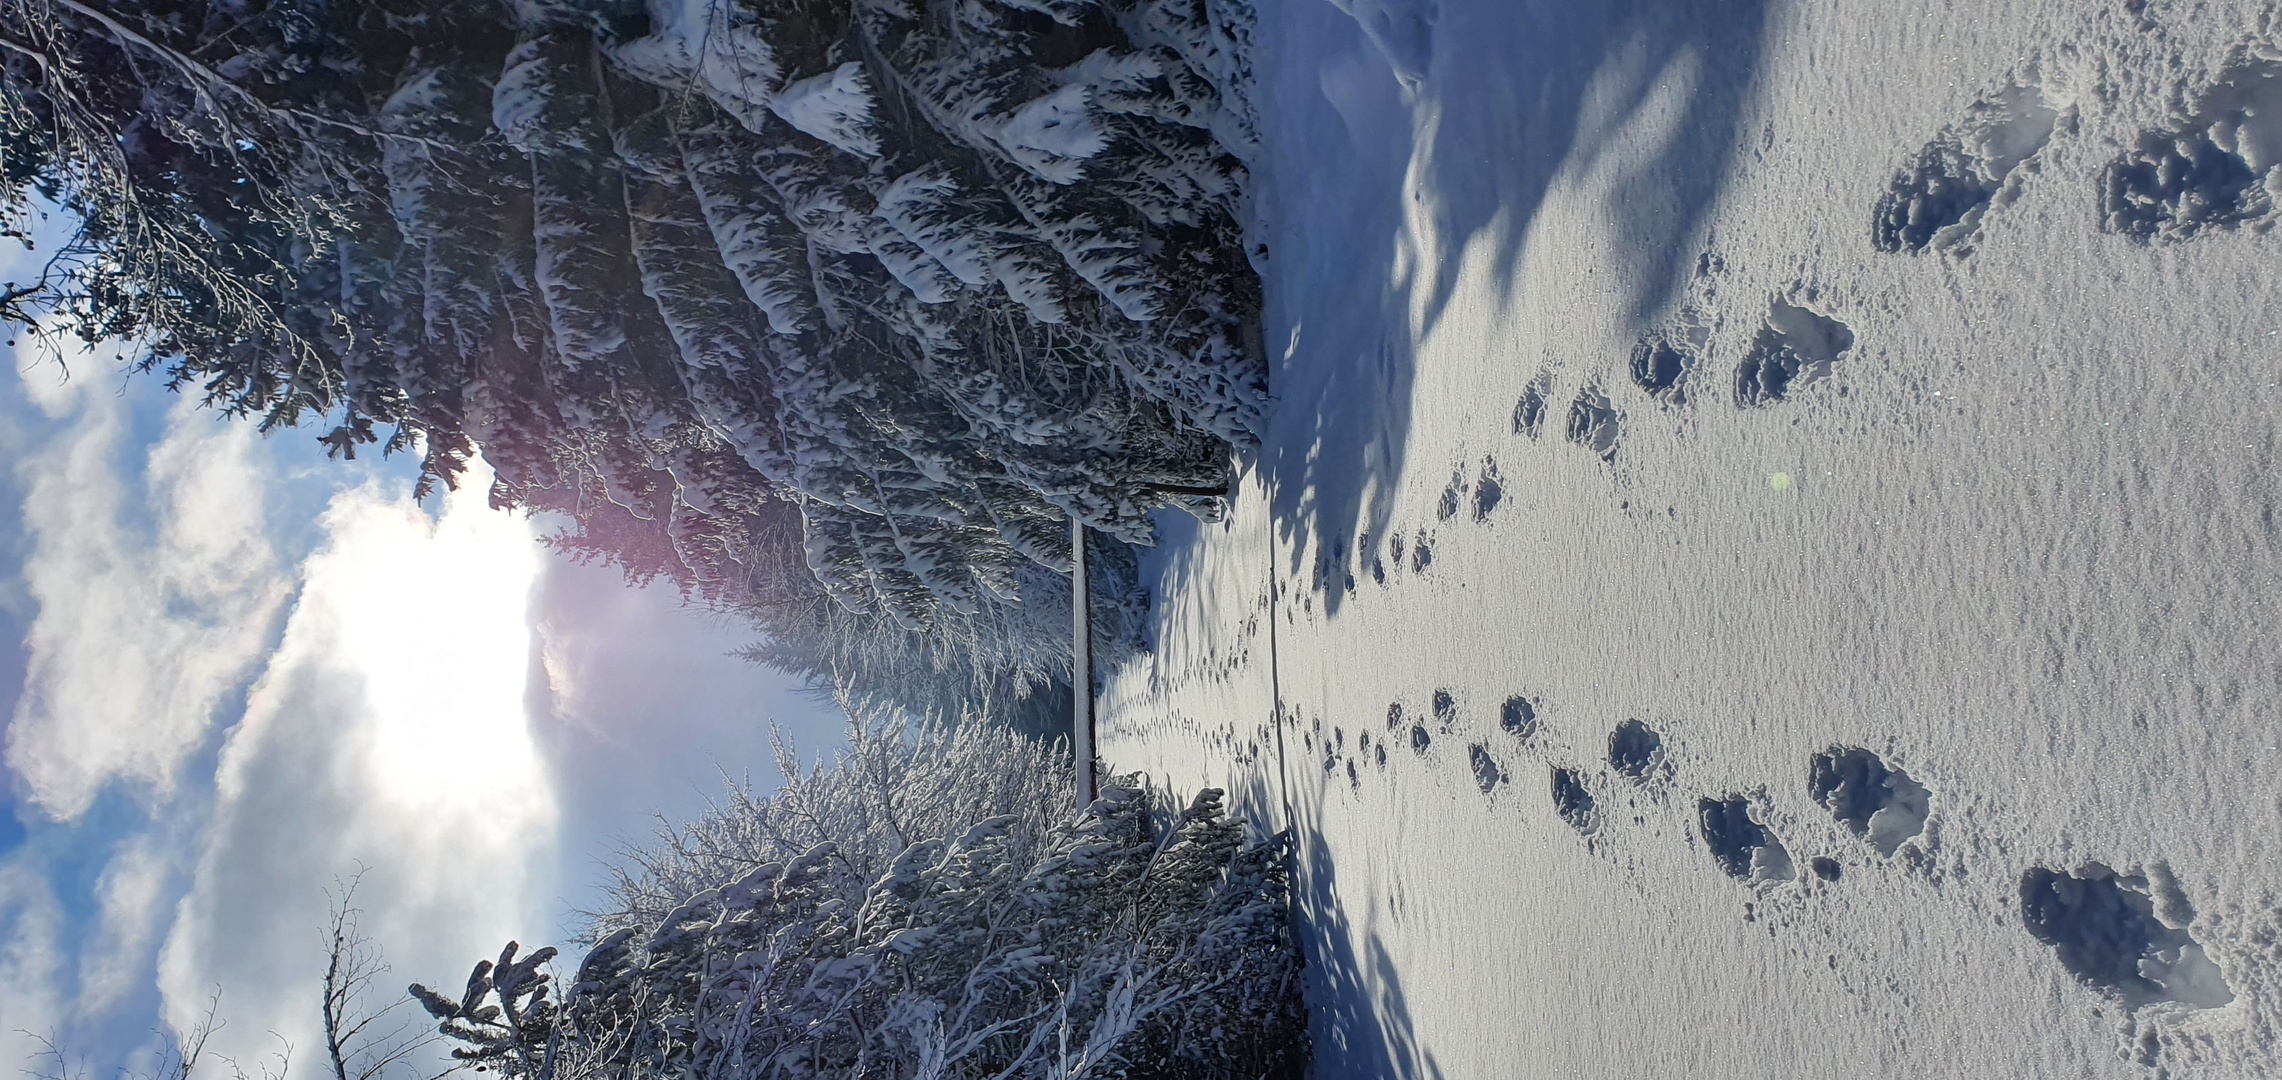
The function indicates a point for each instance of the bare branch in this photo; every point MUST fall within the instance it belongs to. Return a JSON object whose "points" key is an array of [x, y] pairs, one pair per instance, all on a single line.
{"points": [[362, 1042]]}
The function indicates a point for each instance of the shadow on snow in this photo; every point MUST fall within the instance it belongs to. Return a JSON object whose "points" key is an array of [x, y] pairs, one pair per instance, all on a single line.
{"points": [[1515, 94], [1358, 1015]]}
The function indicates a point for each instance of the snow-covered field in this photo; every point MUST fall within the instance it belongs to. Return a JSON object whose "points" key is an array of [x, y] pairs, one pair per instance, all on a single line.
{"points": [[1858, 420]]}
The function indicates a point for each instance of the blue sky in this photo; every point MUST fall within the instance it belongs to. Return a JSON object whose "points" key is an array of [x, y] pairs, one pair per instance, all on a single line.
{"points": [[244, 671]]}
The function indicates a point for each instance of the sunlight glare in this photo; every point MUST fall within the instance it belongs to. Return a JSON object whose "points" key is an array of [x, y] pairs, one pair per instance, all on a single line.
{"points": [[433, 617]]}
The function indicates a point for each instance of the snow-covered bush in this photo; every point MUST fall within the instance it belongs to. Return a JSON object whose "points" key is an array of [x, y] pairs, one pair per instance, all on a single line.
{"points": [[922, 908]]}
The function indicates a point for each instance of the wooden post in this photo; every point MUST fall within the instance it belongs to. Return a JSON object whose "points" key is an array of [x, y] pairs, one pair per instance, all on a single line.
{"points": [[1081, 666]]}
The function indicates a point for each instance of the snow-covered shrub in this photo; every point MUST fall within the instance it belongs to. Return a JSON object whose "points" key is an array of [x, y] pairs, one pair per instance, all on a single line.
{"points": [[924, 907]]}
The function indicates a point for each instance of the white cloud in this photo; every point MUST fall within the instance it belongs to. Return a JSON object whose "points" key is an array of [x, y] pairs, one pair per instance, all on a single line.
{"points": [[131, 899], [60, 385], [387, 730], [31, 958], [143, 628]]}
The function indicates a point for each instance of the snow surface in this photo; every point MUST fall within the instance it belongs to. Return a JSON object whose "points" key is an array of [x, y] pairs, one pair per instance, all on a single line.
{"points": [[1898, 378]]}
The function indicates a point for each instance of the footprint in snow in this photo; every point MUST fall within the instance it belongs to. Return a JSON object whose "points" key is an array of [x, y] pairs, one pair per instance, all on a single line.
{"points": [[1594, 424], [1489, 490], [1634, 750], [2220, 170], [1421, 553], [1796, 346], [2126, 935], [1452, 497], [1744, 848], [1876, 801], [1661, 366], [1529, 412], [1518, 716], [1446, 710], [1574, 803], [1937, 203], [1486, 771]]}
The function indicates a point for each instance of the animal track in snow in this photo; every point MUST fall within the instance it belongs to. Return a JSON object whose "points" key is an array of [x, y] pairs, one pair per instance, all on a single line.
{"points": [[1446, 710], [1489, 490], [2122, 935], [1744, 848], [1574, 803], [1938, 202], [1486, 771], [1518, 717], [1448, 507], [1421, 553], [1797, 346], [1394, 716], [1634, 749], [1875, 800], [1593, 423], [2221, 169], [1529, 412], [1661, 366], [1419, 739]]}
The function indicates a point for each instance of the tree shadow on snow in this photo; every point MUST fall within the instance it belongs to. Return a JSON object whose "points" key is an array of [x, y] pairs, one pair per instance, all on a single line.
{"points": [[1358, 1015], [1644, 96]]}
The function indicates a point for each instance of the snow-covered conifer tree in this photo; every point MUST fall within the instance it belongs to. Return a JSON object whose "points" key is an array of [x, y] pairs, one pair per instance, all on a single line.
{"points": [[933, 278], [921, 908]]}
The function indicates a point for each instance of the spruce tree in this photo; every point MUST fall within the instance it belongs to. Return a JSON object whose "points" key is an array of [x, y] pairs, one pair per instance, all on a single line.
{"points": [[931, 279]]}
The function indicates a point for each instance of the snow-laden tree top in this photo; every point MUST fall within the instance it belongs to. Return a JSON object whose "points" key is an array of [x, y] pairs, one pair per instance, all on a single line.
{"points": [[922, 908], [925, 279]]}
